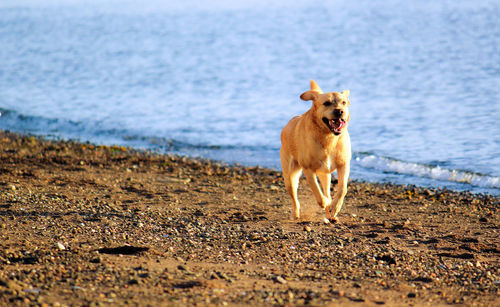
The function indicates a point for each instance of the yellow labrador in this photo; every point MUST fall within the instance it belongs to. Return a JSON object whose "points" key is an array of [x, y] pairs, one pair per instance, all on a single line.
{"points": [[317, 142]]}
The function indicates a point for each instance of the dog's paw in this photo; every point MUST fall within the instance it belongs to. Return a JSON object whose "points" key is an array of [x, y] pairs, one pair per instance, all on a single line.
{"points": [[325, 203], [329, 211], [334, 220]]}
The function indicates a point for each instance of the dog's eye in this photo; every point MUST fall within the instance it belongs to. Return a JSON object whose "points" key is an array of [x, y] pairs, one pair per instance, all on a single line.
{"points": [[343, 103], [327, 103]]}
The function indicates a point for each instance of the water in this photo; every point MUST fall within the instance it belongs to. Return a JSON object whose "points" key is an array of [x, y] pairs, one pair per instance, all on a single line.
{"points": [[220, 79]]}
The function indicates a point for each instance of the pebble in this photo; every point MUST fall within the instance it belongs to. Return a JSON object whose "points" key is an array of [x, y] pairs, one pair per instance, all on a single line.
{"points": [[9, 284], [280, 280], [60, 246]]}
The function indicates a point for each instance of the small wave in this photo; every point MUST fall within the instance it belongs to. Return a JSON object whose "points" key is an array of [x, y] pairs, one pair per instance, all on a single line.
{"points": [[14, 121], [170, 144], [427, 171], [99, 133]]}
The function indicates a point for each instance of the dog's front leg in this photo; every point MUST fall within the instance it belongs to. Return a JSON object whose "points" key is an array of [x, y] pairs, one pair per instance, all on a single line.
{"points": [[313, 183], [338, 200], [325, 179]]}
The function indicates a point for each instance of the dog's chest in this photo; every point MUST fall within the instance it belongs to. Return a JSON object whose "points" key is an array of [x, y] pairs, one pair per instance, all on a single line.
{"points": [[328, 164], [328, 157]]}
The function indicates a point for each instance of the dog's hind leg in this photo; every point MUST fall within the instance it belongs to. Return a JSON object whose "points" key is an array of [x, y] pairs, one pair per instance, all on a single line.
{"points": [[291, 174], [293, 185]]}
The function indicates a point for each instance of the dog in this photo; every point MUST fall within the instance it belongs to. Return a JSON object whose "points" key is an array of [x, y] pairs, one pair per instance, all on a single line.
{"points": [[317, 143]]}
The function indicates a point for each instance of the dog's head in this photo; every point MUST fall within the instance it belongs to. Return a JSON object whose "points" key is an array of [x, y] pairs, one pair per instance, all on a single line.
{"points": [[330, 109]]}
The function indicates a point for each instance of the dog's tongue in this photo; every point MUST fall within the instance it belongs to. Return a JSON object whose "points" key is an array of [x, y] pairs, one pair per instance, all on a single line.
{"points": [[337, 124]]}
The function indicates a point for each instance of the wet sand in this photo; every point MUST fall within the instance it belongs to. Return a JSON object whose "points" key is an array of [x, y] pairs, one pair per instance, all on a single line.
{"points": [[93, 225]]}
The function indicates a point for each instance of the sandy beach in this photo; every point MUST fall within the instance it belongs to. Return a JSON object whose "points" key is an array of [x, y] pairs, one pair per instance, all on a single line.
{"points": [[91, 225]]}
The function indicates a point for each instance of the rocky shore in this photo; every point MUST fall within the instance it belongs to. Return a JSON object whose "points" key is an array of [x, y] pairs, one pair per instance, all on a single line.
{"points": [[95, 225]]}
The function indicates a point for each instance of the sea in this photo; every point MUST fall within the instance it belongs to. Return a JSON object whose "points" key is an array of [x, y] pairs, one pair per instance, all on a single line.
{"points": [[219, 79]]}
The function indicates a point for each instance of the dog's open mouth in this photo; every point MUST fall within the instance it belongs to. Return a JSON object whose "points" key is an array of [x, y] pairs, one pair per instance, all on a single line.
{"points": [[335, 125]]}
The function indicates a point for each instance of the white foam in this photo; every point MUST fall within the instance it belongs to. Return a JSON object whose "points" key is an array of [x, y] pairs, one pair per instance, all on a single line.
{"points": [[426, 171]]}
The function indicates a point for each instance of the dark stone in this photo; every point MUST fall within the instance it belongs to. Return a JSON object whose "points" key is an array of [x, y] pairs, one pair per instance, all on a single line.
{"points": [[123, 250]]}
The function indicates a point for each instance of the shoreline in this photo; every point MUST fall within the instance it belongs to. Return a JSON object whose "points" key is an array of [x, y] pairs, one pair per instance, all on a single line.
{"points": [[447, 186], [86, 224]]}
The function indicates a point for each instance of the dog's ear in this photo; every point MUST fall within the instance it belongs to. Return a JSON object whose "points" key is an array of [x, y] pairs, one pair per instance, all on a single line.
{"points": [[313, 93], [346, 94], [315, 87], [309, 95]]}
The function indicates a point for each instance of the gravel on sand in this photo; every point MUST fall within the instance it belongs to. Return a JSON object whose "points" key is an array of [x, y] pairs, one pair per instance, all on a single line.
{"points": [[82, 224]]}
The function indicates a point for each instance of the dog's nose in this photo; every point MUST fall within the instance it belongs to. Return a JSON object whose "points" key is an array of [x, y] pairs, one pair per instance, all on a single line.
{"points": [[338, 112]]}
